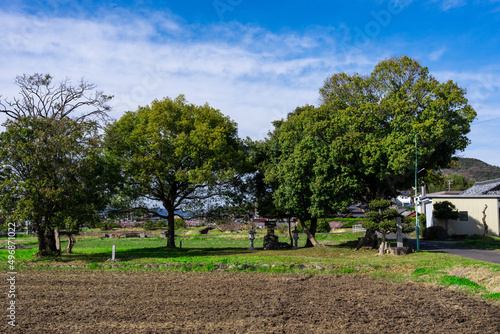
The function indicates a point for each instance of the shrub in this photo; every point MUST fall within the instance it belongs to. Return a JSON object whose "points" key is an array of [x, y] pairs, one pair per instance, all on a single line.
{"points": [[351, 223], [149, 225], [434, 233], [161, 223], [323, 226], [179, 223], [282, 228], [107, 225]]}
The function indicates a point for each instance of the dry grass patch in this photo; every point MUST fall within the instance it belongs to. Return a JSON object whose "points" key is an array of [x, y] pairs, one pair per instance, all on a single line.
{"points": [[486, 277]]}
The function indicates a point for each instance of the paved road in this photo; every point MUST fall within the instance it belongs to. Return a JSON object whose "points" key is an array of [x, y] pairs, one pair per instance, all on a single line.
{"points": [[450, 248]]}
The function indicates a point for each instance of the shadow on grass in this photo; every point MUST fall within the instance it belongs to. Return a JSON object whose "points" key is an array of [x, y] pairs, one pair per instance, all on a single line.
{"points": [[152, 253], [481, 242], [348, 244], [162, 254]]}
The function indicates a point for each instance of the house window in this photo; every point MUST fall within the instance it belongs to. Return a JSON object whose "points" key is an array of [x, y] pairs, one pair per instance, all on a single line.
{"points": [[464, 215]]}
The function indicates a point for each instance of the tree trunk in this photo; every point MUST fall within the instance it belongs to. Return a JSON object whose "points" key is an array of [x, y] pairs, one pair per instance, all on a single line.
{"points": [[290, 231], [71, 243], [311, 241], [46, 237], [383, 246], [50, 241], [40, 233], [369, 240], [169, 206], [171, 230], [57, 239]]}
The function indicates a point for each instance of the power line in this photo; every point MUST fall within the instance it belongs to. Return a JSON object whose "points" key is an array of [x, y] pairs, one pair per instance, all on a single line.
{"points": [[487, 120]]}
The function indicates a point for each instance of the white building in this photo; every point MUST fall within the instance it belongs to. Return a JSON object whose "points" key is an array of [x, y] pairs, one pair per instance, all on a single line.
{"points": [[481, 201]]}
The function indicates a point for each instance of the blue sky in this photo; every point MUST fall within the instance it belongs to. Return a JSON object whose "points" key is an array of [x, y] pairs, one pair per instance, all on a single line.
{"points": [[254, 60]]}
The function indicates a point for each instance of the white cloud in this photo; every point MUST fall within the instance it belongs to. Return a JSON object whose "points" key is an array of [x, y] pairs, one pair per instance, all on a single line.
{"points": [[436, 55], [250, 74], [449, 4], [255, 78], [483, 85], [483, 93]]}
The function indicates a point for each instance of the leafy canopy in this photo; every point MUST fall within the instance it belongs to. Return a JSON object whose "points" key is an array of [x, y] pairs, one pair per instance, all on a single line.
{"points": [[361, 140], [445, 210], [52, 170], [55, 173], [176, 153], [382, 112]]}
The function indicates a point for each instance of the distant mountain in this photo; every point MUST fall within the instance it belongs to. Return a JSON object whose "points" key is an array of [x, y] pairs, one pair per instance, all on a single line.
{"points": [[474, 169]]}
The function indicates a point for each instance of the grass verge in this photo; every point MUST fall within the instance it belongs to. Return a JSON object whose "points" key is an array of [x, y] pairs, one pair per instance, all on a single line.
{"points": [[481, 242]]}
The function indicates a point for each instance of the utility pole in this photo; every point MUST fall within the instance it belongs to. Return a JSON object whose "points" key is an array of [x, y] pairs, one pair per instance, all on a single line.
{"points": [[416, 195]]}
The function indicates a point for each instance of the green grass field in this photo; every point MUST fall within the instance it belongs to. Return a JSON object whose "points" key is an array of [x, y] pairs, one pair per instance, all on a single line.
{"points": [[230, 251]]}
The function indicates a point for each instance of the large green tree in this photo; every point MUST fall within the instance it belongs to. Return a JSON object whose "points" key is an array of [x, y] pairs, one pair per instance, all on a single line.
{"points": [[360, 142], [56, 177], [52, 169], [313, 178], [386, 109], [177, 153]]}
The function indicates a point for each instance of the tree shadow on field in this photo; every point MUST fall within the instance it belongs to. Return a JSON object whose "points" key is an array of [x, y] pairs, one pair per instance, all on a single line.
{"points": [[347, 244], [154, 253]]}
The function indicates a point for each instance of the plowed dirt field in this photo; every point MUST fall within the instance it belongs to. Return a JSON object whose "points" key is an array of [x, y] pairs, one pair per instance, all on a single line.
{"points": [[221, 302]]}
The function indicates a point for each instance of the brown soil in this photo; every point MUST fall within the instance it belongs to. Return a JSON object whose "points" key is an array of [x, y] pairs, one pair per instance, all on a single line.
{"points": [[221, 302]]}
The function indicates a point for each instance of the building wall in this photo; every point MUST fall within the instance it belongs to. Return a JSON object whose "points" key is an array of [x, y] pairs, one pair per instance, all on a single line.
{"points": [[474, 208], [428, 213]]}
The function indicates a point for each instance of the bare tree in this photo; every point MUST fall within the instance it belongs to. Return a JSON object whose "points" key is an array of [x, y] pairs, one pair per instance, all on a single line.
{"points": [[484, 220], [50, 157], [40, 98]]}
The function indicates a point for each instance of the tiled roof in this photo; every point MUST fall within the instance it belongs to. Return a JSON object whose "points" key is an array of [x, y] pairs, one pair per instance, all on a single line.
{"points": [[447, 192], [491, 187]]}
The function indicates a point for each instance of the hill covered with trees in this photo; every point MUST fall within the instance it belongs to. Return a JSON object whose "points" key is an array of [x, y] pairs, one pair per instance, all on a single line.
{"points": [[474, 169]]}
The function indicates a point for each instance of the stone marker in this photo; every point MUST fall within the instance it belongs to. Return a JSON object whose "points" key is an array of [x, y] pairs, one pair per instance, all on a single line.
{"points": [[252, 238], [271, 240], [399, 232]]}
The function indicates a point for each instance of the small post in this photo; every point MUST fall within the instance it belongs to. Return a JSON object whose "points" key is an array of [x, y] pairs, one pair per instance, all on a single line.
{"points": [[296, 238], [113, 253], [180, 244], [399, 231], [252, 238]]}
